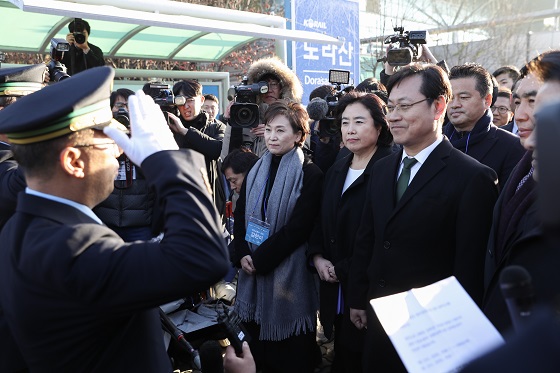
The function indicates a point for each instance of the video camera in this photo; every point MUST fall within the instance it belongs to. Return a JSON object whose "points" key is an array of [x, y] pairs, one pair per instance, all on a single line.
{"points": [[326, 110], [406, 46], [78, 33], [244, 112], [164, 97], [57, 70]]}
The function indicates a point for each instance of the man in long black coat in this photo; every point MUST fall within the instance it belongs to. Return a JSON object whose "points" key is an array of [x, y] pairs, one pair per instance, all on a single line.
{"points": [[470, 128], [440, 225], [518, 235], [75, 296]]}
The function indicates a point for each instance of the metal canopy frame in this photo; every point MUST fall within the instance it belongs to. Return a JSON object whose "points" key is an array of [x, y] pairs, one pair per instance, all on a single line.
{"points": [[145, 29]]}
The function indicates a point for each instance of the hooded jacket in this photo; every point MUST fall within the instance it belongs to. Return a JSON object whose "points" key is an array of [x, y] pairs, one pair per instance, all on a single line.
{"points": [[291, 86], [291, 90]]}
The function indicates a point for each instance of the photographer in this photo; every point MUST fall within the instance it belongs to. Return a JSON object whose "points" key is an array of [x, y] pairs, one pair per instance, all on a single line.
{"points": [[129, 209], [282, 84], [419, 49], [194, 130], [82, 55], [326, 147]]}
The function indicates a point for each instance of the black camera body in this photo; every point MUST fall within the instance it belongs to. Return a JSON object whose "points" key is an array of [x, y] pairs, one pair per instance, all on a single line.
{"points": [[244, 113], [78, 33], [57, 70], [406, 46], [122, 117], [164, 97], [329, 126]]}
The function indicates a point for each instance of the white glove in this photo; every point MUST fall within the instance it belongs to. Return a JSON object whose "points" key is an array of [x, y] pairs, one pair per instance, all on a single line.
{"points": [[149, 132]]}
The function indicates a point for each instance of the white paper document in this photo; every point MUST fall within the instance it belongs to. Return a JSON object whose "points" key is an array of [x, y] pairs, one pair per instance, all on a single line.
{"points": [[437, 328]]}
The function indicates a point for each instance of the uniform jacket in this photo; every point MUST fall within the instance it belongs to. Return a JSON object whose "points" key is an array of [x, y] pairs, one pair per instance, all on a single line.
{"points": [[80, 299], [335, 231], [498, 149], [12, 181], [439, 228]]}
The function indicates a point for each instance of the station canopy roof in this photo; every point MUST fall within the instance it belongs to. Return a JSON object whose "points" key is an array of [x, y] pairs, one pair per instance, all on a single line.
{"points": [[144, 29]]}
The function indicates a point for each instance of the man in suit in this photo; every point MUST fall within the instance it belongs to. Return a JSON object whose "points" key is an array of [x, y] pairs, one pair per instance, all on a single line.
{"points": [[517, 235], [439, 226], [470, 127], [75, 296]]}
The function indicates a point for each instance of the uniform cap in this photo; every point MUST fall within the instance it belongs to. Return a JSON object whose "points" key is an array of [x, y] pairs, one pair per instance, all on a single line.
{"points": [[71, 105], [21, 81]]}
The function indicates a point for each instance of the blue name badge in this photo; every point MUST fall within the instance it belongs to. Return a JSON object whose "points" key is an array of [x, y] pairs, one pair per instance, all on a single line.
{"points": [[257, 231]]}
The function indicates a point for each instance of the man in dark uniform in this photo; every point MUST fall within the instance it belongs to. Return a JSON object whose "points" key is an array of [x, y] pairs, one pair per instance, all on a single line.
{"points": [[427, 213], [14, 83], [75, 296]]}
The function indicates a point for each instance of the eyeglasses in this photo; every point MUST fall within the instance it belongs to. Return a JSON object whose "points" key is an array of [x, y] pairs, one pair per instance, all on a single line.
{"points": [[112, 146], [501, 109], [403, 107], [121, 105], [273, 85], [181, 100]]}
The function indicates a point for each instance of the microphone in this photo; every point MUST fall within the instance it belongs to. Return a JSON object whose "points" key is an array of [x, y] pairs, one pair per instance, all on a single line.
{"points": [[179, 337], [317, 108], [211, 357], [517, 290]]}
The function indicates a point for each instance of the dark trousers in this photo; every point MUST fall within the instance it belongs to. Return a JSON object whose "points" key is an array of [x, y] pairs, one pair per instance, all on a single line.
{"points": [[348, 346], [296, 354]]}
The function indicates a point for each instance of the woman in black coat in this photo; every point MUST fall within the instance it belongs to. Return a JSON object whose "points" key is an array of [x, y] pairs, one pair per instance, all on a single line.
{"points": [[277, 207], [366, 134]]}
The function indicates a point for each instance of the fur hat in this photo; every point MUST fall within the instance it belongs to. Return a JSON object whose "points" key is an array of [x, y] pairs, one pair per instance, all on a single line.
{"points": [[291, 86]]}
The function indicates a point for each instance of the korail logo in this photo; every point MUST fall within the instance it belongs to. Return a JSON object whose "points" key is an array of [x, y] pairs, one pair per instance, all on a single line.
{"points": [[312, 23]]}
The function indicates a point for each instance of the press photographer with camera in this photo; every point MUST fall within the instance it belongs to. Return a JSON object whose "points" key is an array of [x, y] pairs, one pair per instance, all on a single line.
{"points": [[280, 82], [405, 47], [194, 130], [82, 54], [130, 208]]}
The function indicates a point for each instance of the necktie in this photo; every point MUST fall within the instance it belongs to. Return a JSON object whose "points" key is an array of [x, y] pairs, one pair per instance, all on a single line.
{"points": [[404, 178]]}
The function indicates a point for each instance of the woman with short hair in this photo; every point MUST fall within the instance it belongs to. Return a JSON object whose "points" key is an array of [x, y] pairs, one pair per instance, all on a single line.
{"points": [[274, 216], [366, 134]]}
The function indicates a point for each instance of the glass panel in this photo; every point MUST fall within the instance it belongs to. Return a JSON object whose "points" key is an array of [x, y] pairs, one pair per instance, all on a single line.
{"points": [[155, 42], [211, 47]]}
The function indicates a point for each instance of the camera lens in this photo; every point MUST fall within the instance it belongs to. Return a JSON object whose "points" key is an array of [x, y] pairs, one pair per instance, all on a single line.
{"points": [[245, 116], [79, 37]]}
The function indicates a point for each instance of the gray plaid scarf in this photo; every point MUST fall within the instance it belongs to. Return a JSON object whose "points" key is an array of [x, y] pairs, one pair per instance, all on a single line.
{"points": [[284, 301]]}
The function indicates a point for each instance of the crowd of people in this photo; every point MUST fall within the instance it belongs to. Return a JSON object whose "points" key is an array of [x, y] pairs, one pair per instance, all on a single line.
{"points": [[112, 206]]}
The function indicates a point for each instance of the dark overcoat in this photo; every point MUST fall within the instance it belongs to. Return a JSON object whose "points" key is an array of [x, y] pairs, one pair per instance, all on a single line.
{"points": [[77, 298], [439, 228]]}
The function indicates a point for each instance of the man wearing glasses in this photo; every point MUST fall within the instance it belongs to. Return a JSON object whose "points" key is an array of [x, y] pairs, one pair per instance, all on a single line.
{"points": [[470, 128], [427, 214], [74, 295], [194, 130], [501, 110]]}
